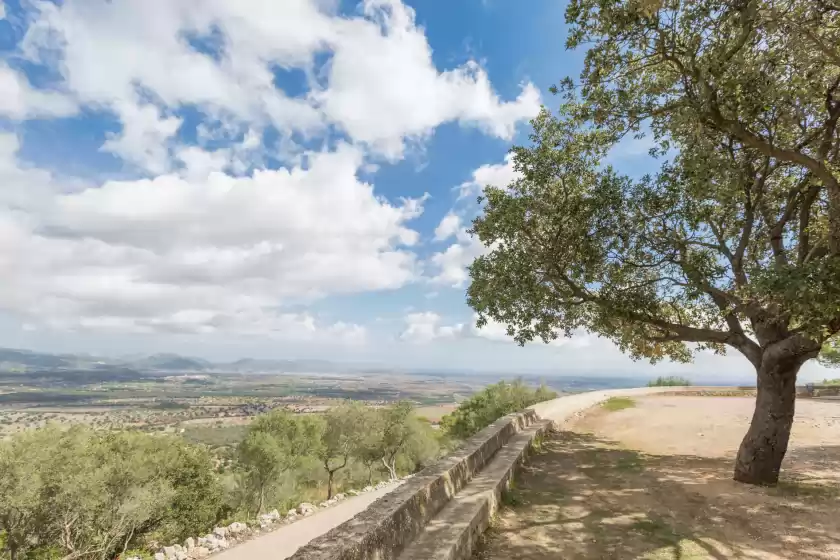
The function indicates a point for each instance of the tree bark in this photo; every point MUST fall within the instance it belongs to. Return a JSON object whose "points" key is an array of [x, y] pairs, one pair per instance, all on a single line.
{"points": [[330, 484], [764, 446]]}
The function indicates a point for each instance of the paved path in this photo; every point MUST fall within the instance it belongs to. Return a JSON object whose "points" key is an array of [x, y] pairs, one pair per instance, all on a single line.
{"points": [[283, 542], [563, 408]]}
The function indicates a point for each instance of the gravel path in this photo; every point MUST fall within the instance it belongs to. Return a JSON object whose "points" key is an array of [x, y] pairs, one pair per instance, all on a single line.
{"points": [[283, 542]]}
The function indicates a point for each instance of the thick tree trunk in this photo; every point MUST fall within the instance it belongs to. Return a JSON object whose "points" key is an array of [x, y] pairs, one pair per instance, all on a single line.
{"points": [[763, 448]]}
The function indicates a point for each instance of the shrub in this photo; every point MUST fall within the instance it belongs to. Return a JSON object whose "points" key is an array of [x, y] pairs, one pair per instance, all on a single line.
{"points": [[490, 404], [670, 381], [618, 403]]}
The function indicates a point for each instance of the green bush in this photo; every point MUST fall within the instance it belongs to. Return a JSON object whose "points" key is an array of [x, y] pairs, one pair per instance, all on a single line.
{"points": [[670, 381], [490, 404], [92, 493]]}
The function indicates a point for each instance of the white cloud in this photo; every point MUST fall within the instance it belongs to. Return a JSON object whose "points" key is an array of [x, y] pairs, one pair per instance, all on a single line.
{"points": [[383, 86], [496, 331], [380, 85], [145, 136], [19, 101], [495, 175], [450, 265], [219, 254], [2, 10], [450, 225], [425, 327]]}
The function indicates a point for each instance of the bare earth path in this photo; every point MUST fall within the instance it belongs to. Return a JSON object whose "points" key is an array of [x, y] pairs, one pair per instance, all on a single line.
{"points": [[654, 482], [283, 542]]}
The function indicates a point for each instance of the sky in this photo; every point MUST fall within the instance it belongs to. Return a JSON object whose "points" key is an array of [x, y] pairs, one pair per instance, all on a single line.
{"points": [[274, 179]]}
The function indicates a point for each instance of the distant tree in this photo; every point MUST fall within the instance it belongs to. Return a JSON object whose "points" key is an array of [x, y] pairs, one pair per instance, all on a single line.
{"points": [[490, 404], [400, 435], [369, 448], [735, 240], [88, 495], [830, 355], [275, 443], [342, 431], [670, 381]]}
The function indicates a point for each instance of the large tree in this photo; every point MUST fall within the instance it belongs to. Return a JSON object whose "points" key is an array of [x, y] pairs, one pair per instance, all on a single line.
{"points": [[733, 242]]}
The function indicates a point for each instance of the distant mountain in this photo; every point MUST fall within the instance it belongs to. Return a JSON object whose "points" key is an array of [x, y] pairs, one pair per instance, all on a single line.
{"points": [[253, 365], [170, 362], [19, 361]]}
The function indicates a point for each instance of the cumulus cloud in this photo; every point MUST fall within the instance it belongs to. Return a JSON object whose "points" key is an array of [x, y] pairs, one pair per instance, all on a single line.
{"points": [[450, 225], [224, 254], [19, 101], [449, 267], [206, 237], [498, 175], [425, 327], [380, 85]]}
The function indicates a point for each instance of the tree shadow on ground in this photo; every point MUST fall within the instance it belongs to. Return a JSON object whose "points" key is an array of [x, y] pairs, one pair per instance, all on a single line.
{"points": [[585, 497]]}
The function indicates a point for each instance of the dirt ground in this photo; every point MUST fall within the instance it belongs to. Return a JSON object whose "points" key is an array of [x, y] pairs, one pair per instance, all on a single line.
{"points": [[654, 482]]}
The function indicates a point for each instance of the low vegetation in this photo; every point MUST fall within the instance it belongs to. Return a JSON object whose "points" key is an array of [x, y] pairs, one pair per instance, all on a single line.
{"points": [[614, 404], [87, 492], [93, 494], [495, 401], [670, 381]]}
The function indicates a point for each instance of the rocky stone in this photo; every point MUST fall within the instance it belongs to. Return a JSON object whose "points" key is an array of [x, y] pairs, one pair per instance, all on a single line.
{"points": [[353, 492], [189, 544], [199, 552], [181, 555], [306, 509], [292, 511], [160, 556], [367, 489], [339, 497], [236, 527], [323, 505], [220, 532], [169, 552]]}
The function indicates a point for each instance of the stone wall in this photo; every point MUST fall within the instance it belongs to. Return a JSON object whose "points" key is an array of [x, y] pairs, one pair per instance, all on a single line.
{"points": [[389, 524]]}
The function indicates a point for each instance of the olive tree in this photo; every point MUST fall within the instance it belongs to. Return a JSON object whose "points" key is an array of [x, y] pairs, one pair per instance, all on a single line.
{"points": [[275, 444], [342, 431], [733, 243]]}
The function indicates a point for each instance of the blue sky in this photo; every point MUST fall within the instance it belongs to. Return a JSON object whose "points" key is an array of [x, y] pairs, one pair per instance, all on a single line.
{"points": [[272, 179]]}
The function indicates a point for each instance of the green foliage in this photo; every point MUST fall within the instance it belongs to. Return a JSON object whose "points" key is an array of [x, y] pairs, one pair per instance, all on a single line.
{"points": [[614, 404], [91, 494], [276, 443], [490, 404], [342, 431], [670, 381], [830, 355], [734, 241]]}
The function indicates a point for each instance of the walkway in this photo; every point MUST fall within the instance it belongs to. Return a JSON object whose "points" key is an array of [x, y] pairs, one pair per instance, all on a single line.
{"points": [[283, 542], [653, 482]]}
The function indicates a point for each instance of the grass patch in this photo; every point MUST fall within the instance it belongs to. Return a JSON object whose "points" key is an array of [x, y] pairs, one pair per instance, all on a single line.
{"points": [[614, 404], [798, 489], [632, 463], [657, 530]]}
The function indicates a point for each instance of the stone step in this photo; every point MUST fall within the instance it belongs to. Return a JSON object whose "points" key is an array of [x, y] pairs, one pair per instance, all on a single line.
{"points": [[453, 532]]}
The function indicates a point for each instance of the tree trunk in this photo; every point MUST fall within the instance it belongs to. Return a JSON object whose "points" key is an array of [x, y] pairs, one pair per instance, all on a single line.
{"points": [[764, 446], [330, 484]]}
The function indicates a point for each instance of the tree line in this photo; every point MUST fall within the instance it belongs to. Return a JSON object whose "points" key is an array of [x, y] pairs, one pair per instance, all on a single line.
{"points": [[92, 494], [83, 493]]}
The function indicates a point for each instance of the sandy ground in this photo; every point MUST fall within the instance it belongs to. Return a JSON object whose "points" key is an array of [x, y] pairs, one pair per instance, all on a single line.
{"points": [[654, 482], [283, 542]]}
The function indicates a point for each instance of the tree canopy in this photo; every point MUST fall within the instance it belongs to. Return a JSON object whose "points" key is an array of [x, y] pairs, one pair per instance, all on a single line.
{"points": [[733, 242]]}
